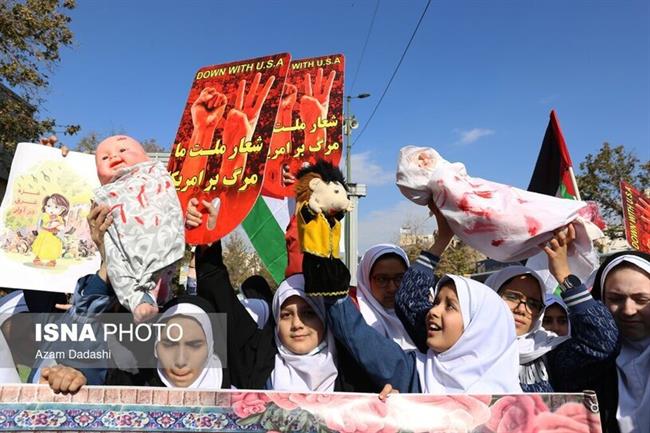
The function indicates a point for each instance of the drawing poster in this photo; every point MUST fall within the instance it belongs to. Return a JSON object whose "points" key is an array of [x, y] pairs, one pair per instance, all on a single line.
{"points": [[45, 241]]}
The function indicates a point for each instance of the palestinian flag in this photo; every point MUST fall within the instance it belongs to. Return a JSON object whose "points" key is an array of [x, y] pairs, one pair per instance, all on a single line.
{"points": [[553, 173], [265, 226]]}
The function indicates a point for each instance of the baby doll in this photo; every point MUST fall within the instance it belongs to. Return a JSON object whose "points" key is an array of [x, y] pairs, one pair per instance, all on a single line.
{"points": [[505, 223], [322, 200], [147, 235]]}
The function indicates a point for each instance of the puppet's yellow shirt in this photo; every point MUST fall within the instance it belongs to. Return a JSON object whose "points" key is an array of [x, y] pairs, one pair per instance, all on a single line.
{"points": [[316, 235]]}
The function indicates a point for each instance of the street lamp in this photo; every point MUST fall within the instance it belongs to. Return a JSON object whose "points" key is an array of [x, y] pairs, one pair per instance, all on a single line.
{"points": [[355, 191]]}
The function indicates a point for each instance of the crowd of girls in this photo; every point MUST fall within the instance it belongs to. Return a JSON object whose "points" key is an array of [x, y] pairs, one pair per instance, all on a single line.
{"points": [[400, 329]]}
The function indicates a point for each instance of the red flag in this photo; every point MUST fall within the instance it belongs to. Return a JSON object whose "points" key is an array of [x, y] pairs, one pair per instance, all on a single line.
{"points": [[553, 170]]}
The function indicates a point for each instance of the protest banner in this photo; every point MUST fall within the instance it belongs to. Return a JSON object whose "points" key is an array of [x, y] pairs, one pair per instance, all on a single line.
{"points": [[222, 143], [309, 123], [45, 241], [636, 213], [135, 409]]}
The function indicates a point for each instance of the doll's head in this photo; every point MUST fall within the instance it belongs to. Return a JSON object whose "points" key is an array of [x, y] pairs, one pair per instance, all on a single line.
{"points": [[56, 205], [116, 152], [322, 184]]}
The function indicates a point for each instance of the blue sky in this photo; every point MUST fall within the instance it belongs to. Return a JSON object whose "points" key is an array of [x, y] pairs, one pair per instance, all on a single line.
{"points": [[477, 84]]}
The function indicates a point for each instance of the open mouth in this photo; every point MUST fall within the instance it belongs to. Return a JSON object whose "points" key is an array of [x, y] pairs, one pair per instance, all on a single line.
{"points": [[116, 164], [433, 327]]}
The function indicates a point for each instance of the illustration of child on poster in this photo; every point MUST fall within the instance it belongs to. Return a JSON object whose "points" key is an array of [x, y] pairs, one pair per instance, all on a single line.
{"points": [[44, 235], [309, 123], [222, 143], [47, 246]]}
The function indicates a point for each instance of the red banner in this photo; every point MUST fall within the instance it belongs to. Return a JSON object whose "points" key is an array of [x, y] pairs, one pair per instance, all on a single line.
{"points": [[309, 121], [222, 142], [636, 212]]}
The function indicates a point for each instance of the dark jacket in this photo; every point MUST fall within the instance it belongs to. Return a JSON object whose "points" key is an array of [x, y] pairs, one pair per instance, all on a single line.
{"points": [[581, 363], [251, 351]]}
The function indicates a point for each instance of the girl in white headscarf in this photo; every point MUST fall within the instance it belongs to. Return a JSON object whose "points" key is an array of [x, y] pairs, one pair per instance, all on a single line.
{"points": [[623, 281], [300, 325], [556, 316], [379, 275], [548, 362], [10, 304], [293, 352], [467, 333], [200, 367], [484, 359], [464, 334]]}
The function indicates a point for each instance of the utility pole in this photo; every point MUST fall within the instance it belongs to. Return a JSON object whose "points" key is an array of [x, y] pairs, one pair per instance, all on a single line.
{"points": [[355, 191]]}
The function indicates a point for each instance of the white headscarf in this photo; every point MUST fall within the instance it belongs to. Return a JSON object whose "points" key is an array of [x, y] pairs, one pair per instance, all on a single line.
{"points": [[10, 304], [538, 341], [384, 320], [552, 299], [211, 376], [258, 309], [314, 371], [485, 358], [633, 366]]}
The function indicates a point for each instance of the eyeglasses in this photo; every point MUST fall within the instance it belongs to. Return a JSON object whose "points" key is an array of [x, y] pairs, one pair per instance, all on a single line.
{"points": [[515, 299], [383, 280]]}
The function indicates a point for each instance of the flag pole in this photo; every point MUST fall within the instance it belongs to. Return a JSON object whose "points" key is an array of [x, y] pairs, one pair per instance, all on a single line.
{"points": [[574, 182]]}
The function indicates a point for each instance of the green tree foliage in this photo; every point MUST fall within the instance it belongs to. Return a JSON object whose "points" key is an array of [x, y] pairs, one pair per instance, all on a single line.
{"points": [[458, 259], [88, 143], [602, 173], [151, 146], [242, 261], [32, 33]]}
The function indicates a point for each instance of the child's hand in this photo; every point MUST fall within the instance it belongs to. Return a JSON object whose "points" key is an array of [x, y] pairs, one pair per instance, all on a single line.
{"points": [[99, 220], [557, 250], [62, 379], [445, 233], [386, 391], [144, 312], [51, 141], [193, 217], [287, 177]]}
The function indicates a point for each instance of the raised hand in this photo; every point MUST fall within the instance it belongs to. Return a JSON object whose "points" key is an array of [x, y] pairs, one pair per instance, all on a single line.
{"points": [[241, 122], [444, 232], [208, 109], [316, 100], [194, 218], [289, 96], [557, 250], [99, 220], [51, 141], [247, 108]]}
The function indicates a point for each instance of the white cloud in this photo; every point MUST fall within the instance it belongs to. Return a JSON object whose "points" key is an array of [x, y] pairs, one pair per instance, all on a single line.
{"points": [[472, 135], [364, 170], [383, 225]]}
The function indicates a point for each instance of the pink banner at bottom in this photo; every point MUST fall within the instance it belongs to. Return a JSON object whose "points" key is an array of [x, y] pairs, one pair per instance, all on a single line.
{"points": [[141, 409]]}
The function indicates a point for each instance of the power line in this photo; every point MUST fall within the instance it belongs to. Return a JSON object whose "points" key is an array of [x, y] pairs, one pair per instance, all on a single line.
{"points": [[394, 74], [365, 45]]}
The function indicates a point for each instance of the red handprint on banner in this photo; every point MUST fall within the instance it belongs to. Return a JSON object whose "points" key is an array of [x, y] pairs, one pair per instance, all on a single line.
{"points": [[314, 107], [207, 110], [240, 124], [280, 147]]}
